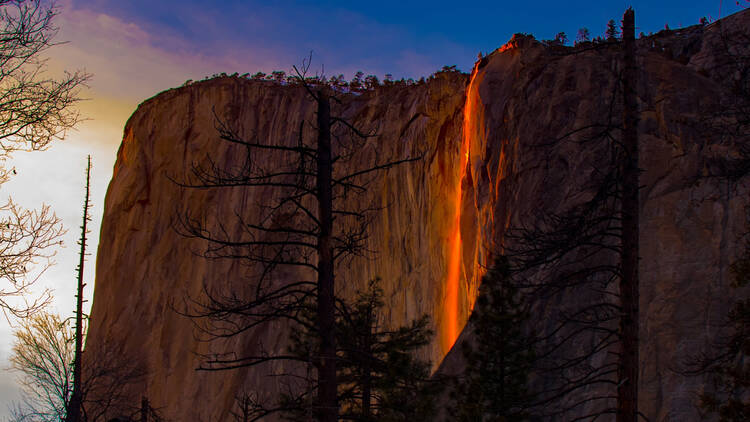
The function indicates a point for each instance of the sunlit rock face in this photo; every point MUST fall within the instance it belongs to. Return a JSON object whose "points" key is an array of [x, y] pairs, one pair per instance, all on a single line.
{"points": [[145, 268], [480, 144]]}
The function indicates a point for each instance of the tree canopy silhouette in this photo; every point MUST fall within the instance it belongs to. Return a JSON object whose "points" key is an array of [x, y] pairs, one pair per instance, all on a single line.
{"points": [[35, 110]]}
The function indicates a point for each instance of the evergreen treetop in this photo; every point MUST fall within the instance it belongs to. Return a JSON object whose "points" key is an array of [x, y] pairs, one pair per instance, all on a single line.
{"points": [[612, 32]]}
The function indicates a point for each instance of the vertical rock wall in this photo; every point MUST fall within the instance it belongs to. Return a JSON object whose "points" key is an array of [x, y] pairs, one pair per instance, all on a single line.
{"points": [[523, 95], [146, 270]]}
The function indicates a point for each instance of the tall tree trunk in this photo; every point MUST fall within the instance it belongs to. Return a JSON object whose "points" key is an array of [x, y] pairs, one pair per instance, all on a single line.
{"points": [[144, 409], [327, 403], [74, 406], [627, 396], [366, 367]]}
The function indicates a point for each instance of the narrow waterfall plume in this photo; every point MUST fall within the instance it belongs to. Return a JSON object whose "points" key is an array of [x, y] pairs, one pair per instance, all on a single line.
{"points": [[451, 315]]}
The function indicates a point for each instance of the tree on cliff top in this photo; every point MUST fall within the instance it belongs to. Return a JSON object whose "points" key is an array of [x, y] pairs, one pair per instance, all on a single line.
{"points": [[583, 35], [35, 110], [611, 33], [309, 223]]}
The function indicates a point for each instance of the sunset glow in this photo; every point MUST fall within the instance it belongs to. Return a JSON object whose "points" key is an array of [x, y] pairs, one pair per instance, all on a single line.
{"points": [[451, 329]]}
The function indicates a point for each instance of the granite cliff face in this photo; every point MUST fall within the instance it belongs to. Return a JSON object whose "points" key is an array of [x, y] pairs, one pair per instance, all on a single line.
{"points": [[152, 268], [480, 138]]}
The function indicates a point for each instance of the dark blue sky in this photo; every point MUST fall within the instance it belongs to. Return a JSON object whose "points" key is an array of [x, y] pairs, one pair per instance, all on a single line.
{"points": [[407, 38]]}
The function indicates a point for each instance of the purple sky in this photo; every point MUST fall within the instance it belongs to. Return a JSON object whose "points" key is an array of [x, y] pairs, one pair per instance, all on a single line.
{"points": [[406, 38]]}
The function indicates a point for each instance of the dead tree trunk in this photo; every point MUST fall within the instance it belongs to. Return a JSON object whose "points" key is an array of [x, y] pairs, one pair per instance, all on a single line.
{"points": [[627, 396], [366, 367], [144, 409], [289, 232], [327, 405], [74, 406]]}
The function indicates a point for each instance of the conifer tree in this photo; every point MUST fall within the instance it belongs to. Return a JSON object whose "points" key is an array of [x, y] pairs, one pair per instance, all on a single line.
{"points": [[612, 32], [494, 386], [561, 38], [584, 35], [382, 379], [379, 376]]}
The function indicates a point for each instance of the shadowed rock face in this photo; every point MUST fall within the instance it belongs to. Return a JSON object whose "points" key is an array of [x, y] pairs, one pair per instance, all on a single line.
{"points": [[531, 96], [522, 95]]}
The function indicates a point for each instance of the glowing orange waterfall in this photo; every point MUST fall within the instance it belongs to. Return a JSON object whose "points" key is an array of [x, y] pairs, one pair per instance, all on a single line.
{"points": [[451, 314]]}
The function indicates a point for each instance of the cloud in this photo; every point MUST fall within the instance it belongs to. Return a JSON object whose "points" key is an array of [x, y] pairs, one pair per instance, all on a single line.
{"points": [[131, 63]]}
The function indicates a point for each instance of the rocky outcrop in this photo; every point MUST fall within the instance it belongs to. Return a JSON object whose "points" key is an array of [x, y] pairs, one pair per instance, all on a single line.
{"points": [[519, 97]]}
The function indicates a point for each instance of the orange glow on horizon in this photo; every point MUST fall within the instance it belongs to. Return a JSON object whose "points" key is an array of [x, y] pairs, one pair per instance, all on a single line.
{"points": [[450, 329]]}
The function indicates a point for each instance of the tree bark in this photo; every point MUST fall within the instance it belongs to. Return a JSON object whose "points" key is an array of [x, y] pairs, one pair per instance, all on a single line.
{"points": [[74, 406], [144, 409], [327, 408], [627, 397], [366, 368]]}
